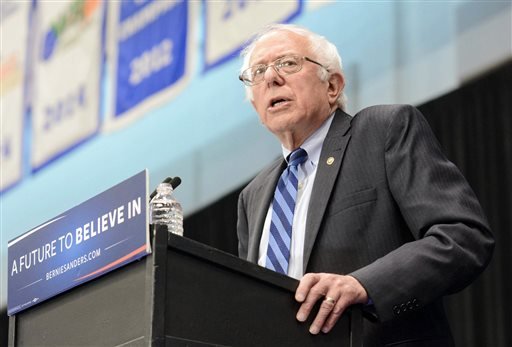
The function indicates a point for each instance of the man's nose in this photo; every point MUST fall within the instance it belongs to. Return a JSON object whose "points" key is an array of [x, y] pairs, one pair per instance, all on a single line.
{"points": [[272, 77]]}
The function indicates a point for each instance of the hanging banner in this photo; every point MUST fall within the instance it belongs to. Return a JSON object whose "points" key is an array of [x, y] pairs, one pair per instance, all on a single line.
{"points": [[231, 23], [67, 75], [101, 234], [13, 55], [149, 55]]}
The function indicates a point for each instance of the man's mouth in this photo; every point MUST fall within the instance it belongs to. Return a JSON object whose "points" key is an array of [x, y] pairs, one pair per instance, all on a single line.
{"points": [[277, 102]]}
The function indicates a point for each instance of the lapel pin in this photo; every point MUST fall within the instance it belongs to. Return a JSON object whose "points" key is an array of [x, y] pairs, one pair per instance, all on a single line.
{"points": [[330, 160]]}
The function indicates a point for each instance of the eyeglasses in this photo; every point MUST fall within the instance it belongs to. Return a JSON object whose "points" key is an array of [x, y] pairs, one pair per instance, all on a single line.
{"points": [[287, 65]]}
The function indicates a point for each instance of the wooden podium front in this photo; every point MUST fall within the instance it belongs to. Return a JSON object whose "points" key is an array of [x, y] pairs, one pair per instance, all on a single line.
{"points": [[183, 294]]}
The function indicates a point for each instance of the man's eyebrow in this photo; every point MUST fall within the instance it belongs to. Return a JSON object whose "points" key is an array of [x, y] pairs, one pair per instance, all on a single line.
{"points": [[259, 62]]}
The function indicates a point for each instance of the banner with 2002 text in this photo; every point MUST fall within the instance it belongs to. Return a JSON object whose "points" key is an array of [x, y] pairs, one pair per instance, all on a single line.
{"points": [[149, 49]]}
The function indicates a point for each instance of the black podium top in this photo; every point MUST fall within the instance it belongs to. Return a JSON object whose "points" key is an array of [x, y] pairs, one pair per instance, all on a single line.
{"points": [[184, 294]]}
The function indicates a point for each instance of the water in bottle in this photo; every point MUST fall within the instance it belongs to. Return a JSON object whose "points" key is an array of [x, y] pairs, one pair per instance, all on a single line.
{"points": [[165, 210]]}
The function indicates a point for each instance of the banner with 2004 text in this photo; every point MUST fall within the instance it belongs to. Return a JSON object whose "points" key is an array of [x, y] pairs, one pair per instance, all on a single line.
{"points": [[67, 75]]}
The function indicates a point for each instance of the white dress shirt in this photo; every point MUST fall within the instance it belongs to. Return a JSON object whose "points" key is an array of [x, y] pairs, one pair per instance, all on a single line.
{"points": [[307, 173]]}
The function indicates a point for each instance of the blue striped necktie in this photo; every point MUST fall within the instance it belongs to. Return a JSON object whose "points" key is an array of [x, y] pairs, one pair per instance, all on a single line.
{"points": [[283, 208]]}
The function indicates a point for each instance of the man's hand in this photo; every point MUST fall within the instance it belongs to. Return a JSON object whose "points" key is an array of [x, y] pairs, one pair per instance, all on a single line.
{"points": [[337, 292]]}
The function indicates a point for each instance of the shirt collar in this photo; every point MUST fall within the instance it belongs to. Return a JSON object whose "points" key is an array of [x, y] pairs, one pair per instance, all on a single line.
{"points": [[313, 144]]}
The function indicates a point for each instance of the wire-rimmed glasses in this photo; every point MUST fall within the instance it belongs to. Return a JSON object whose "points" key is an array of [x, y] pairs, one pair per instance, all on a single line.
{"points": [[286, 65]]}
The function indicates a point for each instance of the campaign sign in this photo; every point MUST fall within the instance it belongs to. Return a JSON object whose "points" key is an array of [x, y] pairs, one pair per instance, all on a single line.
{"points": [[229, 25], [87, 241], [151, 50], [15, 19], [67, 57]]}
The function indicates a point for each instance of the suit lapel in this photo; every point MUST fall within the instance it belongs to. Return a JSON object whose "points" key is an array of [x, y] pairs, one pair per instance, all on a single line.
{"points": [[263, 197], [329, 165]]}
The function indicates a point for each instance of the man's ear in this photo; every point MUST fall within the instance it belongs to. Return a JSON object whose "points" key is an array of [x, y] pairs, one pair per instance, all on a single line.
{"points": [[336, 86]]}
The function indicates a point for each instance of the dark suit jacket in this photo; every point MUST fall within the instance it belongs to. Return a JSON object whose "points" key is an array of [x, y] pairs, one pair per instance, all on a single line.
{"points": [[391, 211]]}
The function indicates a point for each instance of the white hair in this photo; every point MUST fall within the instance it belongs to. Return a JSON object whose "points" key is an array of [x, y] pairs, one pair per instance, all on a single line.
{"points": [[324, 52]]}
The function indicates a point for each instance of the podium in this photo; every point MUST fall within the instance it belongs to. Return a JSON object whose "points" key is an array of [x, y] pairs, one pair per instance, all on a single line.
{"points": [[183, 294]]}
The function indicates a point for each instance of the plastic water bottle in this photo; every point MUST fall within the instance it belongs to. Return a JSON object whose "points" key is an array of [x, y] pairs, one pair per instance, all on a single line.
{"points": [[165, 210]]}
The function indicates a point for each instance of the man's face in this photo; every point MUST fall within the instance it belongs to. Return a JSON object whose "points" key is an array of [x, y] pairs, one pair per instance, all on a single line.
{"points": [[289, 105]]}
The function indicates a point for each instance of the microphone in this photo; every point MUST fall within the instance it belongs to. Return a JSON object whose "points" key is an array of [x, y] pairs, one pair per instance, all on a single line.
{"points": [[173, 181]]}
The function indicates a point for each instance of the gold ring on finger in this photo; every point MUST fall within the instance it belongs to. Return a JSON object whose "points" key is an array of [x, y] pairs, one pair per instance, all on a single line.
{"points": [[330, 300]]}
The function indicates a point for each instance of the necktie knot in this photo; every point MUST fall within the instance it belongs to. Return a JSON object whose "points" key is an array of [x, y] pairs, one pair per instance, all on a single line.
{"points": [[297, 157]]}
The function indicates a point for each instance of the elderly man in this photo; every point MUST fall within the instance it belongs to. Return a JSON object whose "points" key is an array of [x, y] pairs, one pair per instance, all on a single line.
{"points": [[364, 209]]}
